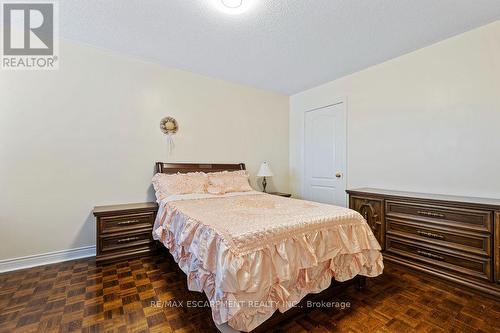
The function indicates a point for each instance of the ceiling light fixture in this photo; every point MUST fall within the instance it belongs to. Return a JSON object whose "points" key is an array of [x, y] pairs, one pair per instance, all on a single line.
{"points": [[232, 3], [233, 7]]}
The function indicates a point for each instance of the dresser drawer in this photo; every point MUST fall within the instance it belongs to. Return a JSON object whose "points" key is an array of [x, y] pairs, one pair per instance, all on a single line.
{"points": [[448, 262], [125, 240], [451, 238], [469, 219], [119, 223]]}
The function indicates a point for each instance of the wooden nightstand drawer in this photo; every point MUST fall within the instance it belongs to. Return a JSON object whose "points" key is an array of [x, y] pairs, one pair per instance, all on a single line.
{"points": [[125, 240], [124, 231], [112, 224], [127, 253]]}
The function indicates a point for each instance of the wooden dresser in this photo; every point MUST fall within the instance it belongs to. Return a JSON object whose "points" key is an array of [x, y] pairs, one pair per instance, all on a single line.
{"points": [[124, 231], [451, 237]]}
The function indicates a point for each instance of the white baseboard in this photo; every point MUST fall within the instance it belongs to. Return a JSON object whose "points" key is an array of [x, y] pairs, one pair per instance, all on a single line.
{"points": [[7, 265]]}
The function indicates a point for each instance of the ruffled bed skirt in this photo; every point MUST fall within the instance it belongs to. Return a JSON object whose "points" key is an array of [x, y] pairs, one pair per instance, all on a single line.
{"points": [[245, 290]]}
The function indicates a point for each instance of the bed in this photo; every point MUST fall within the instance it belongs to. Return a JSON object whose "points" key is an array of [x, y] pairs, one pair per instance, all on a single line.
{"points": [[254, 254]]}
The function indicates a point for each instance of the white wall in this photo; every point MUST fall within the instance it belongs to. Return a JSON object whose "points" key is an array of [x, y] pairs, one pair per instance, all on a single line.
{"points": [[428, 121], [88, 134]]}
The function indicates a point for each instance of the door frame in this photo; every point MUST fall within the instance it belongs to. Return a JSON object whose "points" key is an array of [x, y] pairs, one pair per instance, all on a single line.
{"points": [[336, 101]]}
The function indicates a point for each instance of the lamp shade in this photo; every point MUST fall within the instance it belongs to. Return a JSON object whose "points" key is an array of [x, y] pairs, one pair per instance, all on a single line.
{"points": [[265, 170]]}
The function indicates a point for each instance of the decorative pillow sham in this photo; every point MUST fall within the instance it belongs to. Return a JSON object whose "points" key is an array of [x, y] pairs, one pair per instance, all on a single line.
{"points": [[180, 183], [225, 182]]}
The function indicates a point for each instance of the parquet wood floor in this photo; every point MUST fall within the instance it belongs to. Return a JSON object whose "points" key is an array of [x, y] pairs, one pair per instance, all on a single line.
{"points": [[78, 296]]}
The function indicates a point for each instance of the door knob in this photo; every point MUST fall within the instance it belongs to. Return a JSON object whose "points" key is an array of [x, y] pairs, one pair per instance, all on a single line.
{"points": [[338, 174]]}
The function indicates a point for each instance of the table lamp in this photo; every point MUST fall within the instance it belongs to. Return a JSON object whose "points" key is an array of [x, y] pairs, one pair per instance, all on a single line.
{"points": [[264, 171]]}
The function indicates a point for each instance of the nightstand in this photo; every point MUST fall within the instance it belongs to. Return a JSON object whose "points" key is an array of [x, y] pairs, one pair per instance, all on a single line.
{"points": [[124, 231], [286, 195]]}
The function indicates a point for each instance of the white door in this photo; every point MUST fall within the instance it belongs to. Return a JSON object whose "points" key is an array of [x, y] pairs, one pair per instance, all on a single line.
{"points": [[325, 155]]}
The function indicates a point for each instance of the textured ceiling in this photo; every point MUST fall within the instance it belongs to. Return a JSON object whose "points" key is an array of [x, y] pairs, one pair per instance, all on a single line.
{"points": [[282, 45]]}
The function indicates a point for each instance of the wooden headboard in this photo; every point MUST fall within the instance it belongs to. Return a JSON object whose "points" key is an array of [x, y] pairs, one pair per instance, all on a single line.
{"points": [[193, 167]]}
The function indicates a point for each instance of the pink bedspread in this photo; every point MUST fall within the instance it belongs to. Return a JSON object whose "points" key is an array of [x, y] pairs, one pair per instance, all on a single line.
{"points": [[254, 254]]}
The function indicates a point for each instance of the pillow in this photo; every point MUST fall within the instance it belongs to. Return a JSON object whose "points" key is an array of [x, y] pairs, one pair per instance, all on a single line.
{"points": [[180, 183], [225, 181]]}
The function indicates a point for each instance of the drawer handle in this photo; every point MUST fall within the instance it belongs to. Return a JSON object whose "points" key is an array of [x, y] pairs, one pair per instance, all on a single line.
{"points": [[128, 222], [430, 234], [127, 240], [431, 214], [430, 255]]}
